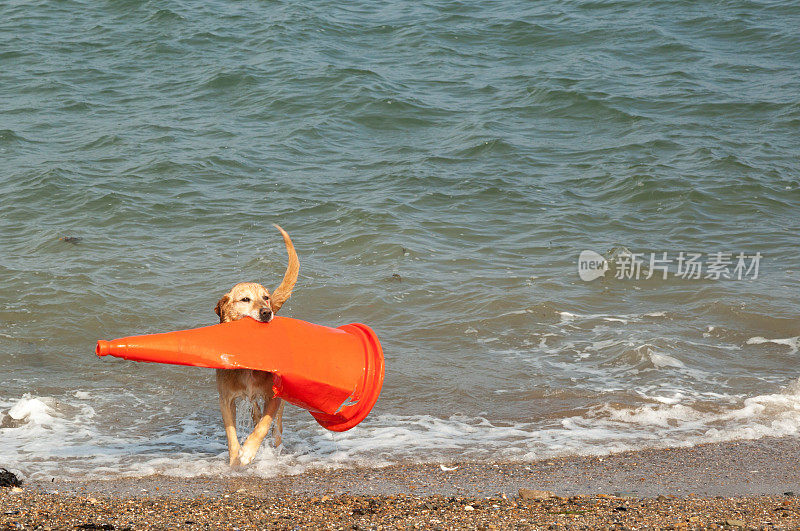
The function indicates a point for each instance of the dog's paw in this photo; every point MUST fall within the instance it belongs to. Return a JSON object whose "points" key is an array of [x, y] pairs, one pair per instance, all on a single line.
{"points": [[233, 456], [246, 456]]}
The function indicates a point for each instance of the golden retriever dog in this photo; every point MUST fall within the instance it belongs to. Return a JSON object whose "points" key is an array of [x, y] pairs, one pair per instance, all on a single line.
{"points": [[248, 299]]}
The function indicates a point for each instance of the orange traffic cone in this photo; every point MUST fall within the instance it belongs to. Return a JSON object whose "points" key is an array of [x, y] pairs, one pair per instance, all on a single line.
{"points": [[335, 373]]}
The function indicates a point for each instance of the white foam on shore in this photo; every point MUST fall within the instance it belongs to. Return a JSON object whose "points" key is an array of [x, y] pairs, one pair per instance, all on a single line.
{"points": [[34, 412], [44, 437]]}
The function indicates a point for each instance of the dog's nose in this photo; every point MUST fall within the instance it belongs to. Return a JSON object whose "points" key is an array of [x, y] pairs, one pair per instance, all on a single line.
{"points": [[265, 314]]}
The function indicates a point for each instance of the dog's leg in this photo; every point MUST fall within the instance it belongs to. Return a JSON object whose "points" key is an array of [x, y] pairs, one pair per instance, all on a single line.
{"points": [[255, 411], [279, 423], [250, 446], [228, 407]]}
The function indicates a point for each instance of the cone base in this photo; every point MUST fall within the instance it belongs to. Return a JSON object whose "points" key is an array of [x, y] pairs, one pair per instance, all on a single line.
{"points": [[350, 415]]}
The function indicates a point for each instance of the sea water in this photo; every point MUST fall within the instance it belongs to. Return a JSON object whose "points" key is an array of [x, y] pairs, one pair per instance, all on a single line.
{"points": [[440, 167]]}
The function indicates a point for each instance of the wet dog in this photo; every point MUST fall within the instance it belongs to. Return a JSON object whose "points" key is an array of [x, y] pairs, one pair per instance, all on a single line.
{"points": [[248, 299]]}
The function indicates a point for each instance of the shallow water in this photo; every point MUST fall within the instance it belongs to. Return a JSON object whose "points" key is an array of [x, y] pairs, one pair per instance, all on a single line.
{"points": [[440, 167]]}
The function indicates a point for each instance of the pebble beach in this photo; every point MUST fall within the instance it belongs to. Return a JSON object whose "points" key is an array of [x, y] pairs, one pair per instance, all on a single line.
{"points": [[746, 484]]}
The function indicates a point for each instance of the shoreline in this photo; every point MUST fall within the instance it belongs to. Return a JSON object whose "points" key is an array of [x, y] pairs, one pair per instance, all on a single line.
{"points": [[747, 482], [766, 466]]}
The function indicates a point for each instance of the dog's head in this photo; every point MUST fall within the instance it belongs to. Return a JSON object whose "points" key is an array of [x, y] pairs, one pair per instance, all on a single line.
{"points": [[249, 299], [245, 299]]}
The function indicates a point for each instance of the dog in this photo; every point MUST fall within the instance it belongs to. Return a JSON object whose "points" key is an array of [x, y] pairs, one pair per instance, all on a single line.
{"points": [[248, 299]]}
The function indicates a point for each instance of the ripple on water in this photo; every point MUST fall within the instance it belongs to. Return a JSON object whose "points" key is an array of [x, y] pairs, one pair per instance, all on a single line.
{"points": [[439, 167]]}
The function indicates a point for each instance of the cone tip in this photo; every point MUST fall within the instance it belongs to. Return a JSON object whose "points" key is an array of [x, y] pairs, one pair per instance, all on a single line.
{"points": [[103, 348]]}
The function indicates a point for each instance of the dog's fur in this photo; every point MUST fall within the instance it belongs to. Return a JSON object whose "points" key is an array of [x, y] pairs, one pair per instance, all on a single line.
{"points": [[248, 299]]}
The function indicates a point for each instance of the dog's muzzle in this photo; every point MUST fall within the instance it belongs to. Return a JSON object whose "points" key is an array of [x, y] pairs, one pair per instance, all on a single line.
{"points": [[265, 315]]}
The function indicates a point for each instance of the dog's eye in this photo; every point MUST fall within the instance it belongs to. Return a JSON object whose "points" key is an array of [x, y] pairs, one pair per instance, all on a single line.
{"points": [[266, 298], [246, 299]]}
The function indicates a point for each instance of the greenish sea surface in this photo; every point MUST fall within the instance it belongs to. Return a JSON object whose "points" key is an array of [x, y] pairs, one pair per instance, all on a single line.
{"points": [[440, 166]]}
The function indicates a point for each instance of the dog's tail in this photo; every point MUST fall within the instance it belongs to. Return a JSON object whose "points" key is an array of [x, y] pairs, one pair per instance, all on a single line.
{"points": [[284, 291]]}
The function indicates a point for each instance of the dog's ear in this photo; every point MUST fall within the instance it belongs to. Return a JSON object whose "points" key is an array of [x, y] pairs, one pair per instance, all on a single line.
{"points": [[222, 302]]}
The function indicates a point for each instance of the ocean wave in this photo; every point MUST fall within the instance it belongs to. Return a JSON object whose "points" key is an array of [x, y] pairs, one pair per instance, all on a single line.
{"points": [[439, 167], [792, 342], [44, 437]]}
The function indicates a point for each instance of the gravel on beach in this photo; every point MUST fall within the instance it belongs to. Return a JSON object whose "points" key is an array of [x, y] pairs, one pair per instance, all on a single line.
{"points": [[29, 510], [740, 484]]}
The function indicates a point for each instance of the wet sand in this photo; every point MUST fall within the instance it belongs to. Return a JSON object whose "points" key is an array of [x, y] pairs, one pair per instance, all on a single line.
{"points": [[738, 484]]}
